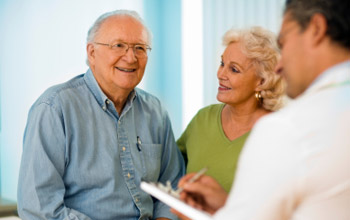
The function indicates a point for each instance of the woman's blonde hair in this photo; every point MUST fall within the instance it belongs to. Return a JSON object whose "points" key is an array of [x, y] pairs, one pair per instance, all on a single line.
{"points": [[260, 46]]}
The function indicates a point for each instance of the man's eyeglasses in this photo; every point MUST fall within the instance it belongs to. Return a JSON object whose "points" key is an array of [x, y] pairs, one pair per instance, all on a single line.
{"points": [[140, 50]]}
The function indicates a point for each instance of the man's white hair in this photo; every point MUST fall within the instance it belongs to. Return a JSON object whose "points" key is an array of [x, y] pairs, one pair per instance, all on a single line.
{"points": [[97, 25]]}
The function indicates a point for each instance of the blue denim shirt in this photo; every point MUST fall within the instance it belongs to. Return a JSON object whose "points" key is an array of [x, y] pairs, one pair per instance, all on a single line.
{"points": [[81, 160]]}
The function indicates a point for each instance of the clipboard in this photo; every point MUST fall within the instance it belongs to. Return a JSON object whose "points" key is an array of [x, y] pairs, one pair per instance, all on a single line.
{"points": [[174, 202]]}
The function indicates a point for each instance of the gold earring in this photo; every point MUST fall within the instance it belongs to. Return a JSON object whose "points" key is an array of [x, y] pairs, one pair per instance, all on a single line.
{"points": [[258, 97]]}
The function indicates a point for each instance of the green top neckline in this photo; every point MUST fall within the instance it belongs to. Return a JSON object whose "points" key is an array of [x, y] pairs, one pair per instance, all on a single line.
{"points": [[222, 133]]}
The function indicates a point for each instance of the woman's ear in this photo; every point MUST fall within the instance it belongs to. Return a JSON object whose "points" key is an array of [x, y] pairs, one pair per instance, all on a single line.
{"points": [[259, 83]]}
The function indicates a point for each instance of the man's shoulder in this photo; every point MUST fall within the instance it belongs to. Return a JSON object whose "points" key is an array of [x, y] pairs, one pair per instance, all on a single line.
{"points": [[283, 119], [150, 104], [314, 111], [147, 98], [52, 94]]}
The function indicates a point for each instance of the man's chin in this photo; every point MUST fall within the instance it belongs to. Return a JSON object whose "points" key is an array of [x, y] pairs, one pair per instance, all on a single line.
{"points": [[130, 86]]}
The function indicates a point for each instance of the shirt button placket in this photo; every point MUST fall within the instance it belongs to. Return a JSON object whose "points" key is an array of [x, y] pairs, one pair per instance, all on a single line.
{"points": [[128, 166]]}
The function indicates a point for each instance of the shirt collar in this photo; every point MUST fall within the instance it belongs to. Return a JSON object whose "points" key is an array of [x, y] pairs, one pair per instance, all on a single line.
{"points": [[334, 76], [129, 101], [95, 88]]}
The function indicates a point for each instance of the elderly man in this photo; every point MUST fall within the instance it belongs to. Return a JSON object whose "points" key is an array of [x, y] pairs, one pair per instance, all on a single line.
{"points": [[295, 164], [89, 142]]}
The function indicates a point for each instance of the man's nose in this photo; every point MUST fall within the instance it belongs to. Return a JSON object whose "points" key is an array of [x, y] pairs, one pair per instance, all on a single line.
{"points": [[130, 55], [279, 67]]}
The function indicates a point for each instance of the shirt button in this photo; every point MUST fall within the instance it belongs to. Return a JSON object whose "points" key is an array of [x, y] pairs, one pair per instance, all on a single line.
{"points": [[119, 122], [128, 175], [123, 148], [107, 101], [136, 200], [104, 108]]}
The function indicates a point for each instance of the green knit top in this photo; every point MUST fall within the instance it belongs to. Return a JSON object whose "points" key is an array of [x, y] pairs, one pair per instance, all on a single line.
{"points": [[204, 144]]}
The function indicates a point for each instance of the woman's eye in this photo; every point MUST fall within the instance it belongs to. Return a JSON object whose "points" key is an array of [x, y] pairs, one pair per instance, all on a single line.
{"points": [[235, 70], [221, 63]]}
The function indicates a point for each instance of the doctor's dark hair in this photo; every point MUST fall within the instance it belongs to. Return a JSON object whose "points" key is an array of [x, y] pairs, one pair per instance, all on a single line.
{"points": [[336, 13]]}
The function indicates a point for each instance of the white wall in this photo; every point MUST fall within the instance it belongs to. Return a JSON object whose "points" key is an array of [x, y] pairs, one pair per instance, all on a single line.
{"points": [[192, 59]]}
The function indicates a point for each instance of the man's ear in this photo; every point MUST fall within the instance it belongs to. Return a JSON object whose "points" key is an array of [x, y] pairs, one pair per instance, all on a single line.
{"points": [[90, 49], [318, 28]]}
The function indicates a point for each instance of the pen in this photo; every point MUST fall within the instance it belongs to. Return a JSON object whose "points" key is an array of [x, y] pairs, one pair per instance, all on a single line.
{"points": [[138, 143], [194, 178]]}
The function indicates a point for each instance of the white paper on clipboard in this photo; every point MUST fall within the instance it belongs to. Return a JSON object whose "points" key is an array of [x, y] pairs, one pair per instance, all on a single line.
{"points": [[174, 202]]}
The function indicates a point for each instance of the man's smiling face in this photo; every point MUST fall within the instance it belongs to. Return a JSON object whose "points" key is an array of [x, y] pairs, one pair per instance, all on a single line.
{"points": [[115, 72]]}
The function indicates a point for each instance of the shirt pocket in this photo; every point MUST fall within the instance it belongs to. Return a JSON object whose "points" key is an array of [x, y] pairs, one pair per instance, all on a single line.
{"points": [[151, 161]]}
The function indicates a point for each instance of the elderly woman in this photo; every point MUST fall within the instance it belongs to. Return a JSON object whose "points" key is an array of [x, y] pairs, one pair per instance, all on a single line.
{"points": [[249, 89]]}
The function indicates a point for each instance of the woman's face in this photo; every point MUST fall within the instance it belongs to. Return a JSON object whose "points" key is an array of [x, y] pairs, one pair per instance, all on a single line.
{"points": [[237, 76]]}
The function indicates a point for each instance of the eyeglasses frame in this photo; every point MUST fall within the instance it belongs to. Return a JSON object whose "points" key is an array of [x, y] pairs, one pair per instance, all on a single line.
{"points": [[148, 48]]}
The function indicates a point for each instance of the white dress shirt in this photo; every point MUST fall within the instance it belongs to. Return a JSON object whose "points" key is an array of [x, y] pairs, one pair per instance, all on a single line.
{"points": [[296, 162]]}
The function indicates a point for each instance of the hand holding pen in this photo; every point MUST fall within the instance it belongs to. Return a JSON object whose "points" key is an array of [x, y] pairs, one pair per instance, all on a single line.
{"points": [[202, 191], [193, 178]]}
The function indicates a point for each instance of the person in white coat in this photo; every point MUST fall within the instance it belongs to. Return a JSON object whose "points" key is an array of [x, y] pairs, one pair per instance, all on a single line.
{"points": [[295, 164]]}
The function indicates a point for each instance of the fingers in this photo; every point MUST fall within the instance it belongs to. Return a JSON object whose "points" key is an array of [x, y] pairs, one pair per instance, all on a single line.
{"points": [[198, 187], [196, 201], [206, 180], [205, 185], [193, 200], [205, 193], [185, 179]]}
